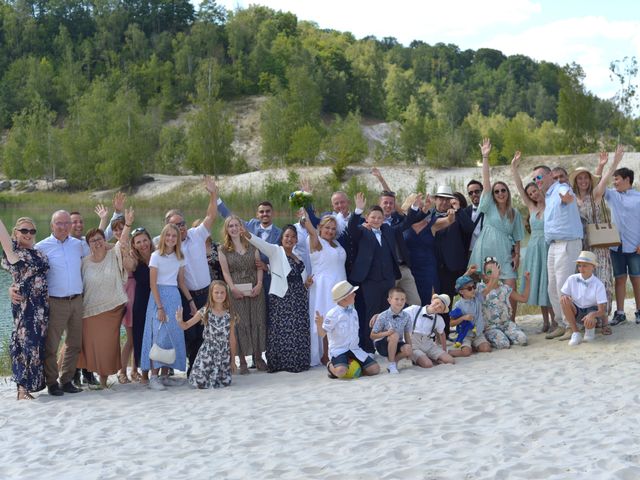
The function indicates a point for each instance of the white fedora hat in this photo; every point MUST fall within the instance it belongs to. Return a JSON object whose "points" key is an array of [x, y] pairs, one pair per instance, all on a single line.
{"points": [[444, 191], [341, 289], [587, 257]]}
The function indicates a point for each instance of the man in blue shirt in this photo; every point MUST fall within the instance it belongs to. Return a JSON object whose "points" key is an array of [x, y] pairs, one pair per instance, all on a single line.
{"points": [[624, 202], [563, 232]]}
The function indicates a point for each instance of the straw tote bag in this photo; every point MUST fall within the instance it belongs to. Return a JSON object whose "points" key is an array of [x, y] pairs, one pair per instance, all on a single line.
{"points": [[602, 234], [162, 355]]}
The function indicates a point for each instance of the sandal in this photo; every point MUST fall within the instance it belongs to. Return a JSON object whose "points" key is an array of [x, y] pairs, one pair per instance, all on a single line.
{"points": [[23, 394], [261, 365], [606, 330], [135, 376], [122, 378]]}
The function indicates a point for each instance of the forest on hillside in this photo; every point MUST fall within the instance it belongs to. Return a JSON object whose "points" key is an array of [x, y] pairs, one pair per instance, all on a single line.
{"points": [[88, 90]]}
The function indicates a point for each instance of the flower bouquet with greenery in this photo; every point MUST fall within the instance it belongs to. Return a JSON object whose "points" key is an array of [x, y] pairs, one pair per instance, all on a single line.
{"points": [[300, 199]]}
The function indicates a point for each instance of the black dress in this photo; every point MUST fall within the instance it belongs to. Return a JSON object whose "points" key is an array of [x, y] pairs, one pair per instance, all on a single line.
{"points": [[141, 299], [288, 336]]}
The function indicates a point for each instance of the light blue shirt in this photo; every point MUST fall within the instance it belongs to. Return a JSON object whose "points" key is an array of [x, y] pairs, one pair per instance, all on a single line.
{"points": [[561, 221], [625, 214], [65, 263]]}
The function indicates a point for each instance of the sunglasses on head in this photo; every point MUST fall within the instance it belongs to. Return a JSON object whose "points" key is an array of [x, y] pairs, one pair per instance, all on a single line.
{"points": [[537, 178], [388, 193], [490, 260], [181, 224], [499, 190], [137, 230], [24, 231], [475, 192]]}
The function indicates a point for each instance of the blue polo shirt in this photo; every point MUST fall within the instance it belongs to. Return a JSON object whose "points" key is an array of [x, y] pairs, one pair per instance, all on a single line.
{"points": [[561, 221], [625, 214]]}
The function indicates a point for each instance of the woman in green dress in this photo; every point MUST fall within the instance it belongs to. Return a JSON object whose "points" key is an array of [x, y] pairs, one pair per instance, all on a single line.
{"points": [[535, 259], [502, 230]]}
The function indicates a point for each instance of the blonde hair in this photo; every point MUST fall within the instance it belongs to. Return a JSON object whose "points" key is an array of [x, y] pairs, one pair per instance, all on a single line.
{"points": [[161, 245], [510, 211], [22, 220], [326, 219], [226, 304], [227, 242]]}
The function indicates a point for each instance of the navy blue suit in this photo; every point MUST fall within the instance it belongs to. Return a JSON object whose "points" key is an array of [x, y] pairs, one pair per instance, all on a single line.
{"points": [[375, 269], [451, 253]]}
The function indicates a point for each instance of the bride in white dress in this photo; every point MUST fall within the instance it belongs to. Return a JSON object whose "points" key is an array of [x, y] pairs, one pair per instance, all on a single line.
{"points": [[328, 267]]}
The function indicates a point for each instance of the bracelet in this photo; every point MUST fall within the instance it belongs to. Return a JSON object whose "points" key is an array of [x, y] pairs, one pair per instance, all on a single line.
{"points": [[129, 226], [160, 308], [190, 300]]}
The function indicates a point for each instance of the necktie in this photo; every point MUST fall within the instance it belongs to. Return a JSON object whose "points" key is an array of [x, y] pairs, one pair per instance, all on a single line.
{"points": [[378, 234]]}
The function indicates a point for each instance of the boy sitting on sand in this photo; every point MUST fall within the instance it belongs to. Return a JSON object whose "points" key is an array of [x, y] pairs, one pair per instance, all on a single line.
{"points": [[391, 332], [470, 304], [341, 328], [584, 299], [425, 322]]}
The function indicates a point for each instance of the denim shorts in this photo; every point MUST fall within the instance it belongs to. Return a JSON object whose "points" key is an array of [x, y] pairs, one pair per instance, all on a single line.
{"points": [[343, 359], [625, 263], [583, 312]]}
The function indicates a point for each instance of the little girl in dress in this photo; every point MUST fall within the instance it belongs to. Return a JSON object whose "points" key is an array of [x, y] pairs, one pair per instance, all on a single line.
{"points": [[216, 358]]}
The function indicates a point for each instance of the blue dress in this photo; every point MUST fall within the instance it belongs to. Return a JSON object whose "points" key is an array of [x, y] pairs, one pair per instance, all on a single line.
{"points": [[497, 237], [30, 317], [535, 262], [424, 265]]}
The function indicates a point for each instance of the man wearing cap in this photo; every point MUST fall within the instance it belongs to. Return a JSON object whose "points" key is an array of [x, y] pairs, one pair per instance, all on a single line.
{"points": [[563, 233], [451, 250], [341, 326], [584, 299]]}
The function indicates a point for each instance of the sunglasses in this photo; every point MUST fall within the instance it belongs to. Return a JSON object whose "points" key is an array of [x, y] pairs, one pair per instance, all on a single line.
{"points": [[470, 287], [181, 224], [499, 190], [388, 193], [24, 231], [490, 260], [537, 178], [137, 230], [474, 192]]}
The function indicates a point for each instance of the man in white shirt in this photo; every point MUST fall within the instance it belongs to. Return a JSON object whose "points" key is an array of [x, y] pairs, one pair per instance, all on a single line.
{"points": [[65, 303]]}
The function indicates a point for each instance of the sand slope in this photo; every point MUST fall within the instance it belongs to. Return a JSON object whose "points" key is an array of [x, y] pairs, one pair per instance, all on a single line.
{"points": [[542, 411]]}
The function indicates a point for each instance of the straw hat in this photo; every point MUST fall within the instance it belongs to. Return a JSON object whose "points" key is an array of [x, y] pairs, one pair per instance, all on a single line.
{"points": [[341, 290], [594, 178], [444, 298], [587, 257], [444, 191]]}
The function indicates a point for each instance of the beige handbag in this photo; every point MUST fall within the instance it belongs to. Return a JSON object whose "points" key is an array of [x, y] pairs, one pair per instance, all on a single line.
{"points": [[162, 355], [603, 234]]}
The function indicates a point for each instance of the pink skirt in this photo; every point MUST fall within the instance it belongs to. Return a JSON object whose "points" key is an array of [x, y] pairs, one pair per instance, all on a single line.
{"points": [[130, 288]]}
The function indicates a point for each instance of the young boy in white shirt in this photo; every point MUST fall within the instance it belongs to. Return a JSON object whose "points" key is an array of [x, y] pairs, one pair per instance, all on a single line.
{"points": [[391, 332], [427, 321], [584, 299], [341, 327]]}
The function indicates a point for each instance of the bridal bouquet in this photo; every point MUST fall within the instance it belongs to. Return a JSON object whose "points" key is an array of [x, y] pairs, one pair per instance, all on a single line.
{"points": [[300, 199]]}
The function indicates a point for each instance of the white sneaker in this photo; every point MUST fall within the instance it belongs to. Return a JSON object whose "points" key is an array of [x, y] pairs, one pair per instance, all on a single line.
{"points": [[576, 339], [171, 381], [589, 335], [156, 384], [393, 369]]}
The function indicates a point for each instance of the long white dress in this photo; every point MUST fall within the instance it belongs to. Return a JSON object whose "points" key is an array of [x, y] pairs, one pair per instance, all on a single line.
{"points": [[328, 269]]}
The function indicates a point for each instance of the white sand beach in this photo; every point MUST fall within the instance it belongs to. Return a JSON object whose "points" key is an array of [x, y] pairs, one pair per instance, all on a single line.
{"points": [[545, 411]]}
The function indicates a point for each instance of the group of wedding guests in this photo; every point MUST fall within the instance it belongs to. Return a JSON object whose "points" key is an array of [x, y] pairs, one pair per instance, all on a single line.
{"points": [[265, 289]]}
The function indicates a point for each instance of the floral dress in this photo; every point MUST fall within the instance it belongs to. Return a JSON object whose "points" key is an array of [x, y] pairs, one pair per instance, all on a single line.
{"points": [[211, 368], [604, 270], [30, 317], [288, 337], [500, 331]]}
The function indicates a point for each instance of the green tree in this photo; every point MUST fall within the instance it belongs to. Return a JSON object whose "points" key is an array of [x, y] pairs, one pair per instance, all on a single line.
{"points": [[305, 145], [575, 107], [345, 144]]}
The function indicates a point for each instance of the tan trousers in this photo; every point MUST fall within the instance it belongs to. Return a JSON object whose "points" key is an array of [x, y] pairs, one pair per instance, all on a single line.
{"points": [[408, 284], [64, 315]]}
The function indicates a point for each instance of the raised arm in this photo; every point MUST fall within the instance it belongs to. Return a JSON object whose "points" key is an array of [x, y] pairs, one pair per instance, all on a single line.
{"points": [[598, 192], [103, 213], [524, 296], [118, 211], [314, 242], [444, 222], [385, 186], [124, 244], [7, 244], [515, 163], [485, 148], [354, 221], [212, 208], [189, 323], [269, 249]]}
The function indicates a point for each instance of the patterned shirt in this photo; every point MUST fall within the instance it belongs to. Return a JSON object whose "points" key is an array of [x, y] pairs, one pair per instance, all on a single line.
{"points": [[400, 323], [496, 309]]}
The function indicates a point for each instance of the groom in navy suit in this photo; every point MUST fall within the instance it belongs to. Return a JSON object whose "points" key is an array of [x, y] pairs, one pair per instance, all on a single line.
{"points": [[375, 267]]}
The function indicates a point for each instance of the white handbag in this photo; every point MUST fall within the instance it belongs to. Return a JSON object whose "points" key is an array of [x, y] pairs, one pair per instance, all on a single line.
{"points": [[162, 355]]}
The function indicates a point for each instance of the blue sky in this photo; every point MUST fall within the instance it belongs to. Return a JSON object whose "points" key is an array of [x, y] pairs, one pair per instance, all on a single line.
{"points": [[591, 33]]}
